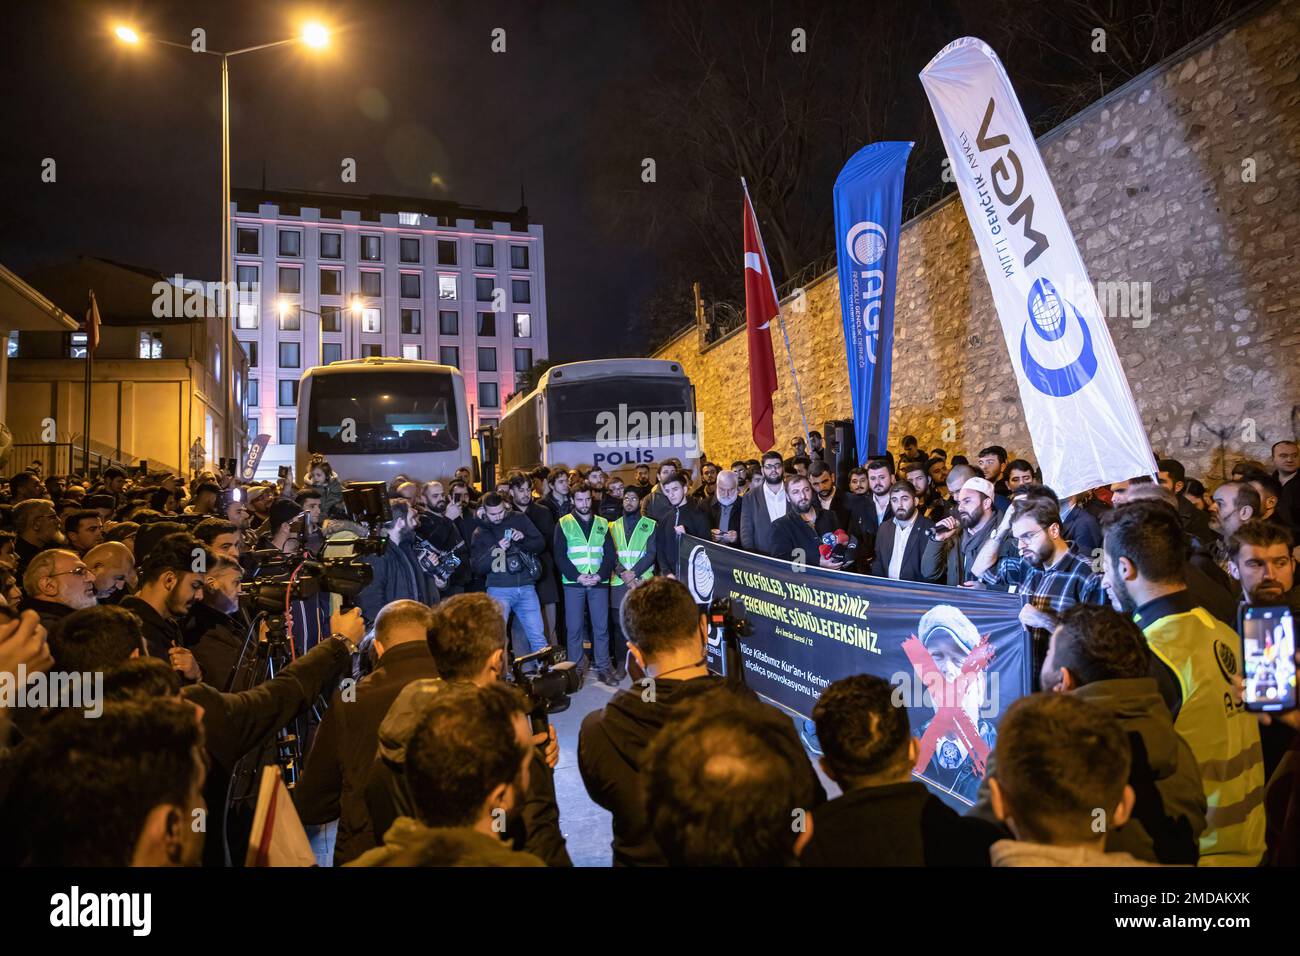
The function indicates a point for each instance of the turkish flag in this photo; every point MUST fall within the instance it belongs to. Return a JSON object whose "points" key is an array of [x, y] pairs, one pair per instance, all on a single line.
{"points": [[761, 307], [92, 324]]}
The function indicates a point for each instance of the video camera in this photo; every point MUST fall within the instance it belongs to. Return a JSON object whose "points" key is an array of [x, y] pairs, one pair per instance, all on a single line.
{"points": [[278, 577], [729, 624], [548, 687]]}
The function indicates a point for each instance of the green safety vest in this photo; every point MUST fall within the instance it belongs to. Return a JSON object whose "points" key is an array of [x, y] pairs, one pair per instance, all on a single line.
{"points": [[630, 552], [1223, 735], [585, 553]]}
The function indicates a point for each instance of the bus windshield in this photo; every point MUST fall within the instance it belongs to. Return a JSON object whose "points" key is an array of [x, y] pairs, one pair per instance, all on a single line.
{"points": [[572, 407], [410, 412]]}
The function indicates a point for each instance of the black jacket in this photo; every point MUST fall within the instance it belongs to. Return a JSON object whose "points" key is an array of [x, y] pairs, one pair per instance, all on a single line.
{"points": [[398, 576], [237, 724], [793, 539], [548, 585], [611, 750], [900, 824], [922, 557], [666, 541], [160, 633], [51, 613], [334, 777], [487, 540], [216, 640]]}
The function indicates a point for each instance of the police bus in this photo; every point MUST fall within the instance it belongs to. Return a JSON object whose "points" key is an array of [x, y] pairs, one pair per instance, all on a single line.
{"points": [[615, 413], [375, 417]]}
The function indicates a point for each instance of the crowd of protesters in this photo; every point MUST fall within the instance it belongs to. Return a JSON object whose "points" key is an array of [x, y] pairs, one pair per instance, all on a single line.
{"points": [[1131, 597]]}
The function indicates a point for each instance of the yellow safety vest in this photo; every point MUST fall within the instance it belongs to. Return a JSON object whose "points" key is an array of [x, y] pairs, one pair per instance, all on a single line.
{"points": [[1204, 655], [585, 553], [630, 551]]}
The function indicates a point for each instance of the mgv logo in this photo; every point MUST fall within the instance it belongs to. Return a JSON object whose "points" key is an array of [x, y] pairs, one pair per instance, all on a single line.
{"points": [[75, 908], [1008, 183]]}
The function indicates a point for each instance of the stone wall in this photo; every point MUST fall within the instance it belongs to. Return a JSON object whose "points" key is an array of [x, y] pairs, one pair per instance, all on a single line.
{"points": [[1156, 182]]}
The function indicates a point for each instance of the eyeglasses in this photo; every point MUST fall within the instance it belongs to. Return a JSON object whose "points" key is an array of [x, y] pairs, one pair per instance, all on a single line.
{"points": [[1026, 539], [81, 572]]}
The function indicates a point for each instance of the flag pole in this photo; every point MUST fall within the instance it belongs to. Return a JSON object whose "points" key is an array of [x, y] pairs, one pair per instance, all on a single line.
{"points": [[798, 394], [90, 359]]}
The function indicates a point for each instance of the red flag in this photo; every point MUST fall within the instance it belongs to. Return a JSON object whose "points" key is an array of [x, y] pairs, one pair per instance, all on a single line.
{"points": [[761, 307], [92, 324]]}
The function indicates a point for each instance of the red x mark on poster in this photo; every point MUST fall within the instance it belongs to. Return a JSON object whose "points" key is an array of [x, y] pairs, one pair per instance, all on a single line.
{"points": [[948, 715]]}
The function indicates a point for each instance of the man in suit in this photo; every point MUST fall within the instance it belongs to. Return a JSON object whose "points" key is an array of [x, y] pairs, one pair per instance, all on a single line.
{"points": [[797, 535], [1286, 461], [764, 505], [903, 551], [724, 510], [871, 511]]}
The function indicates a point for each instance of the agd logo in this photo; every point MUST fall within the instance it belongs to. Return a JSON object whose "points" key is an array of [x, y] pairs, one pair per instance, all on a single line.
{"points": [[866, 243], [1049, 317]]}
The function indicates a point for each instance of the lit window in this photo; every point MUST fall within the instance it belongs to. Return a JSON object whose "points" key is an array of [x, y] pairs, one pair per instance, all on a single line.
{"points": [[13, 344], [370, 320], [447, 288], [523, 325], [151, 344], [408, 219], [77, 345], [411, 351]]}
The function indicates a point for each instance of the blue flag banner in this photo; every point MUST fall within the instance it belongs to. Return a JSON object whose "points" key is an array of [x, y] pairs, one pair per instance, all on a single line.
{"points": [[868, 209], [956, 657]]}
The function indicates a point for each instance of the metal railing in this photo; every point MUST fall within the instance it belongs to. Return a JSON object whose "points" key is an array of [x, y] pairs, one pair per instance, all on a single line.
{"points": [[58, 458]]}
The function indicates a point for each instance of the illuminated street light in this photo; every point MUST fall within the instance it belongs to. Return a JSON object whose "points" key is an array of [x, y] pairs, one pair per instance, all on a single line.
{"points": [[315, 35], [126, 34]]}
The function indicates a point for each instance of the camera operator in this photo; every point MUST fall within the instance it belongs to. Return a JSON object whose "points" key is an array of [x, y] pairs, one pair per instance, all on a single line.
{"points": [[309, 503], [278, 532], [504, 545], [467, 638], [548, 592], [344, 748], [666, 636], [435, 527], [215, 628], [397, 573]]}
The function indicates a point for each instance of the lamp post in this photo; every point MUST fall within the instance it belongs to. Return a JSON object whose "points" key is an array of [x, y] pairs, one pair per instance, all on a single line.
{"points": [[313, 35]]}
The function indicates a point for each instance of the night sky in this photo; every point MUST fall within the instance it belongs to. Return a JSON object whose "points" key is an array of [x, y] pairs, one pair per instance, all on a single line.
{"points": [[411, 90]]}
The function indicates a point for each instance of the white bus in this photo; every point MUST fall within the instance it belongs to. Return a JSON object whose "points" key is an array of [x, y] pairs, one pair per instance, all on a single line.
{"points": [[375, 417], [615, 413]]}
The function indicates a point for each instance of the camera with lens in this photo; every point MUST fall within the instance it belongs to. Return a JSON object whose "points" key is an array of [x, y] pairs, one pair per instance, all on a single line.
{"points": [[727, 624], [278, 578], [547, 686]]}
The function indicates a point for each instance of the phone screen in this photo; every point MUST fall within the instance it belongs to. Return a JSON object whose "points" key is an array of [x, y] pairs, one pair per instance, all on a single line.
{"points": [[336, 603], [1268, 644]]}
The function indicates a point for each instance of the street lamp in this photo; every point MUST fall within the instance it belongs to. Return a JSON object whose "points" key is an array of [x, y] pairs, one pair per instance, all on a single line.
{"points": [[313, 35], [357, 308]]}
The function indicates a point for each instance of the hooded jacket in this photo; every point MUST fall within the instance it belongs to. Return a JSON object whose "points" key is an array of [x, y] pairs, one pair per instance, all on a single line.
{"points": [[611, 751], [1016, 853], [409, 842], [1169, 813], [536, 830]]}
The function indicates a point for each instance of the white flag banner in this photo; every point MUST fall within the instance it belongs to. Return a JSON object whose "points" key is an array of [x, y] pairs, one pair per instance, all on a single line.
{"points": [[1078, 406]]}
